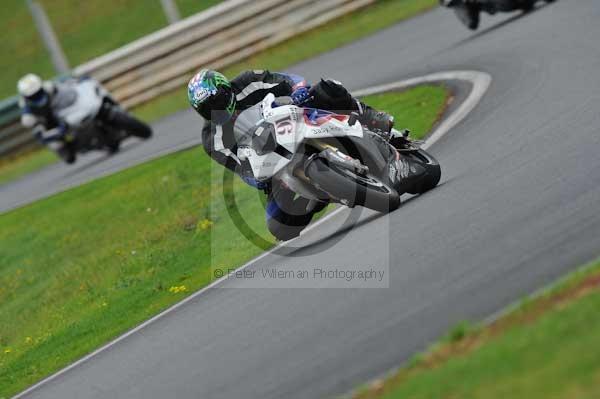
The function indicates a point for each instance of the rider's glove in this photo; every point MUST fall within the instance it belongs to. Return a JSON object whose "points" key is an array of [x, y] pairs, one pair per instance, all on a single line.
{"points": [[58, 133], [300, 95]]}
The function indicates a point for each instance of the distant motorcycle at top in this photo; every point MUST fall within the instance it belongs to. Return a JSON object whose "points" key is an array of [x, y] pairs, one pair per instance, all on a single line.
{"points": [[75, 116], [468, 11]]}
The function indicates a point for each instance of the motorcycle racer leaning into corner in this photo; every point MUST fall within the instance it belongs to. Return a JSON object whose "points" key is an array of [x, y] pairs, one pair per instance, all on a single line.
{"points": [[38, 99], [75, 115], [219, 101]]}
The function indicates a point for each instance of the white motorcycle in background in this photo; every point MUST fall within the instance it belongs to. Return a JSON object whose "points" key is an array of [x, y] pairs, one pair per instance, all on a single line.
{"points": [[324, 156], [95, 120]]}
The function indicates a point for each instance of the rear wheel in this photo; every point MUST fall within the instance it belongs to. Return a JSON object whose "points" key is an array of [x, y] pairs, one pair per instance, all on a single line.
{"points": [[131, 125], [347, 185]]}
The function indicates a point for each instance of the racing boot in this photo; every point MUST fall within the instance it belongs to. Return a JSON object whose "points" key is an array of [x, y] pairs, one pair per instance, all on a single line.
{"points": [[377, 121]]}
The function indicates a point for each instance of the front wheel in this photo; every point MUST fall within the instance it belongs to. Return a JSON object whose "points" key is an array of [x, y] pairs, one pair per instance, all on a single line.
{"points": [[432, 167], [67, 154], [351, 187]]}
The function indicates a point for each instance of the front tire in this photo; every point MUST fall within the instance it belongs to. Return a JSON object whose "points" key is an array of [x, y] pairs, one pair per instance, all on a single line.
{"points": [[131, 125], [432, 167], [346, 185]]}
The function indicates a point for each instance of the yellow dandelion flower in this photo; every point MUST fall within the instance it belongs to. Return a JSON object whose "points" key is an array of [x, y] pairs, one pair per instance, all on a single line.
{"points": [[7, 350], [204, 224], [177, 289]]}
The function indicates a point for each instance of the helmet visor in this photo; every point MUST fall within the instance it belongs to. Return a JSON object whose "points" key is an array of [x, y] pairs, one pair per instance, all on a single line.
{"points": [[39, 99], [219, 107]]}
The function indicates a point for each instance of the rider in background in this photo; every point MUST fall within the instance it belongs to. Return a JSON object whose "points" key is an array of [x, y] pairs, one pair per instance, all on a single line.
{"points": [[219, 101], [38, 99], [468, 11]]}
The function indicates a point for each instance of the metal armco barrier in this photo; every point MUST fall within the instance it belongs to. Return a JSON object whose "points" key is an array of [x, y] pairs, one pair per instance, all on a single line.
{"points": [[166, 59]]}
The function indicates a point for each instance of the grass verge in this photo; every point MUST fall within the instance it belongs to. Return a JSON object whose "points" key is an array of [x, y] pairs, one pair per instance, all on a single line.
{"points": [[81, 267], [546, 348]]}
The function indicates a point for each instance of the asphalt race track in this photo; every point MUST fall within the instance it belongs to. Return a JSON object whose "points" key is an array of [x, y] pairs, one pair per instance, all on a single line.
{"points": [[518, 207]]}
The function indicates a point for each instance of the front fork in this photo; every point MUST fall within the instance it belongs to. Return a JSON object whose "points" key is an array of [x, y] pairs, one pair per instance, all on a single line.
{"points": [[335, 156]]}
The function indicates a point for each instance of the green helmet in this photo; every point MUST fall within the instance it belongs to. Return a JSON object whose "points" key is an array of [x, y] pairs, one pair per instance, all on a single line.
{"points": [[211, 95]]}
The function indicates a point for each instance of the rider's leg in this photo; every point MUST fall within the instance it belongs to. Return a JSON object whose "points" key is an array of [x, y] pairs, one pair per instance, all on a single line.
{"points": [[287, 215], [331, 95]]}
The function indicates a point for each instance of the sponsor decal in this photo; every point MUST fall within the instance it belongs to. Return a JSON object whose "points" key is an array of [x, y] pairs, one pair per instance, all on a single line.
{"points": [[316, 117], [327, 129], [202, 93]]}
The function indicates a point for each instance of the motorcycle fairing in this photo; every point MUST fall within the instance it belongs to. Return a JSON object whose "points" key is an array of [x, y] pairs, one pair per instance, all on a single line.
{"points": [[290, 126], [86, 106]]}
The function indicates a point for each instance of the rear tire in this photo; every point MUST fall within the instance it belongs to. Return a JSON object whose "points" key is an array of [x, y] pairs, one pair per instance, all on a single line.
{"points": [[346, 185], [131, 125]]}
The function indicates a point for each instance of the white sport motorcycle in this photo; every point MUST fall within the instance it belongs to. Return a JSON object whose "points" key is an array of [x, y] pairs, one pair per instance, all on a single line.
{"points": [[95, 120], [323, 156]]}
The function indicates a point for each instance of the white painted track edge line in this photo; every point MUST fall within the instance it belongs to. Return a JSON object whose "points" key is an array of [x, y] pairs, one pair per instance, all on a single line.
{"points": [[480, 81]]}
